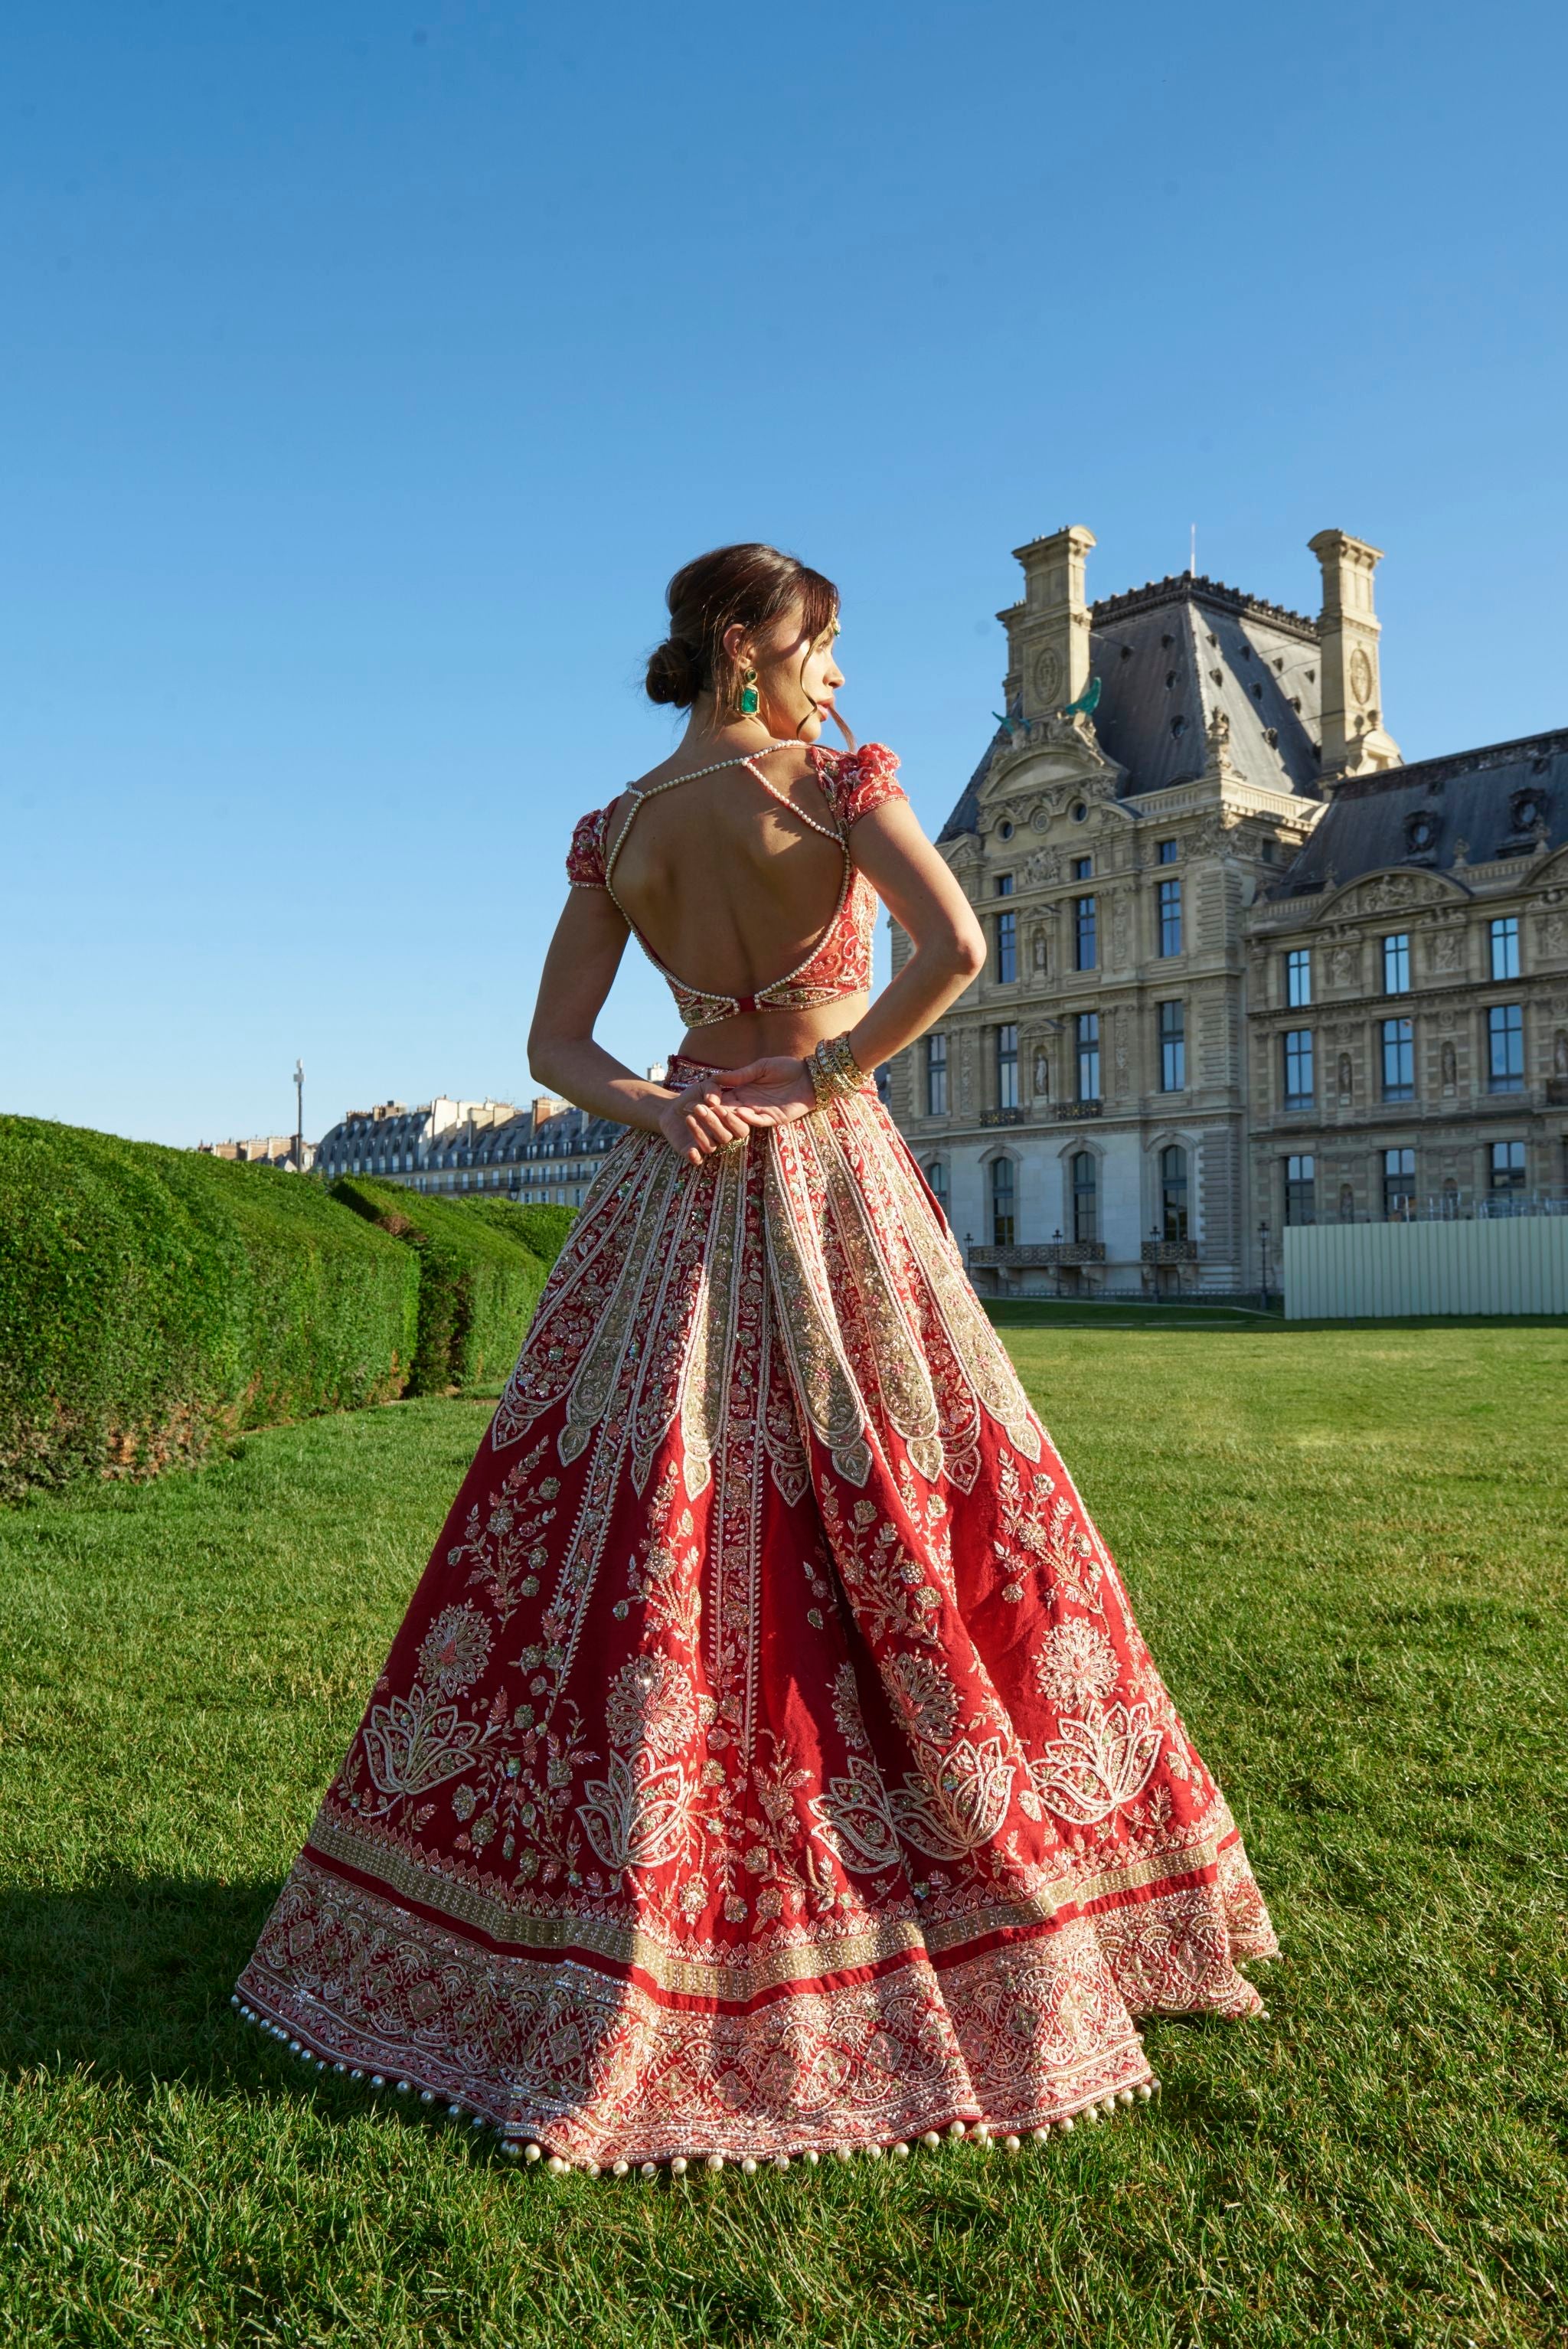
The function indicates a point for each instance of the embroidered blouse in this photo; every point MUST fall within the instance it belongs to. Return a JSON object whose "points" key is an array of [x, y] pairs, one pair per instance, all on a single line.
{"points": [[840, 963]]}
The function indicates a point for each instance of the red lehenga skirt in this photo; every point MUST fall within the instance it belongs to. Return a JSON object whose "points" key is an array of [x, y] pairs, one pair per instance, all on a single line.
{"points": [[768, 1760]]}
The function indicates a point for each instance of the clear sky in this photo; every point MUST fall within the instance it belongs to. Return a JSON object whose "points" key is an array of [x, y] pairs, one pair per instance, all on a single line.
{"points": [[372, 363]]}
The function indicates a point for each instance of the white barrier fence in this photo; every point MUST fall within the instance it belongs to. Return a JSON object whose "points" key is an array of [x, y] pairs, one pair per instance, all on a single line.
{"points": [[1336, 1271]]}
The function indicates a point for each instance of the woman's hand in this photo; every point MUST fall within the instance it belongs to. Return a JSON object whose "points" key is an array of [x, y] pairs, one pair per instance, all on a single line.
{"points": [[699, 1121], [773, 1093]]}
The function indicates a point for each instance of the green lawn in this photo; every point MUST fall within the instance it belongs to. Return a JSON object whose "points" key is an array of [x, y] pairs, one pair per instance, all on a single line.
{"points": [[1346, 1549]]}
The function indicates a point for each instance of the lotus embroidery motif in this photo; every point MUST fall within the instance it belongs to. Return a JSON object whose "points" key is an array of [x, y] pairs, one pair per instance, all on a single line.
{"points": [[1098, 1763]]}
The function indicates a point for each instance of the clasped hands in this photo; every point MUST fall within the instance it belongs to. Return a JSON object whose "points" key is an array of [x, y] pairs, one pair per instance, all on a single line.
{"points": [[714, 1112]]}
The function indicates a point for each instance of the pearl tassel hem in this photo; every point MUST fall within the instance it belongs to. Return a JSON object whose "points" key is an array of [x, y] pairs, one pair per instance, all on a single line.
{"points": [[981, 2135]]}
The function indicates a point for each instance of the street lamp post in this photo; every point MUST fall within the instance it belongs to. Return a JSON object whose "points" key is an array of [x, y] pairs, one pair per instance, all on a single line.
{"points": [[299, 1117], [1264, 1241]]}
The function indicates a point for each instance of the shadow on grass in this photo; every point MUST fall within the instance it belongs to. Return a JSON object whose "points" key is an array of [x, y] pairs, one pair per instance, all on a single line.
{"points": [[132, 1977]]}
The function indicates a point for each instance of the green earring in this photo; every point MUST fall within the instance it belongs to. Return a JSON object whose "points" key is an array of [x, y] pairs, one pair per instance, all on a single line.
{"points": [[751, 701]]}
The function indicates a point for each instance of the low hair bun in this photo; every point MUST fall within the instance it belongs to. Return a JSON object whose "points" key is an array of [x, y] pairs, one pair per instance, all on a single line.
{"points": [[675, 673], [751, 586]]}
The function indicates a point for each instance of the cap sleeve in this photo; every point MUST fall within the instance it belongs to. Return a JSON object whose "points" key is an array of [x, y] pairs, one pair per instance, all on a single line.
{"points": [[855, 782], [585, 857]]}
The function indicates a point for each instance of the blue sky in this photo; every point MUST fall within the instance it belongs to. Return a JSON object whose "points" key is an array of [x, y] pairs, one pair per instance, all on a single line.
{"points": [[372, 365]]}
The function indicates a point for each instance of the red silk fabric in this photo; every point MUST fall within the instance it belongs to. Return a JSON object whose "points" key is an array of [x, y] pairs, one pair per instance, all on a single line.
{"points": [[768, 1758]]}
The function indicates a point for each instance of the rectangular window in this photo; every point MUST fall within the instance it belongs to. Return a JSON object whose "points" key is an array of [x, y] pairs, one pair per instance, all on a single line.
{"points": [[1086, 1196], [1172, 1047], [1505, 947], [1301, 1190], [1298, 1084], [1003, 1222], [1083, 934], [1397, 964], [1398, 1184], [1505, 1047], [1507, 1171], [1167, 851], [1298, 977], [1173, 1193], [936, 1076], [1399, 1060], [1004, 885], [1006, 947], [1088, 1025], [1006, 1068], [1083, 868], [936, 1176], [1170, 917]]}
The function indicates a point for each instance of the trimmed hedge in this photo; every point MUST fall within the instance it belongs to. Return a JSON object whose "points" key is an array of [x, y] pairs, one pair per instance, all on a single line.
{"points": [[539, 1225], [153, 1300], [478, 1285]]}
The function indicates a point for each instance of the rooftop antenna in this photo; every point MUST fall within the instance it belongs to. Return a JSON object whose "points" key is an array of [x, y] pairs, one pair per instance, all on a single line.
{"points": [[1193, 557]]}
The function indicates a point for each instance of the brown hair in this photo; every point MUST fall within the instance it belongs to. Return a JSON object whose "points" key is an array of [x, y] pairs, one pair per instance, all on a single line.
{"points": [[750, 584]]}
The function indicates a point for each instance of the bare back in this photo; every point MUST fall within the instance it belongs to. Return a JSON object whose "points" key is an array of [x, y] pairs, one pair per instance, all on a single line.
{"points": [[728, 886]]}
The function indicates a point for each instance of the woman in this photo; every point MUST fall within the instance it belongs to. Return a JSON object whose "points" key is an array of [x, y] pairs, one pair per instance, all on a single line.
{"points": [[768, 1762]]}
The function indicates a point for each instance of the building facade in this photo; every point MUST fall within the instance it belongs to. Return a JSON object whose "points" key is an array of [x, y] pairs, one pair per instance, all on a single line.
{"points": [[1408, 992], [1115, 1104], [548, 1151], [263, 1150]]}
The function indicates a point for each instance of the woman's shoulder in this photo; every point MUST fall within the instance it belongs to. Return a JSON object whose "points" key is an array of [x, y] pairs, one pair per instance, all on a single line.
{"points": [[586, 856], [855, 782]]}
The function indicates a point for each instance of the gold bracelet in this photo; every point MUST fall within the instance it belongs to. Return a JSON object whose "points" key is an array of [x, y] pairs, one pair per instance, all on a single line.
{"points": [[834, 1070]]}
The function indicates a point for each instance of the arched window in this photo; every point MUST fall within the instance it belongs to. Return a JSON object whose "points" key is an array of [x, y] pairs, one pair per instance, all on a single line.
{"points": [[1173, 1193], [1086, 1196], [936, 1176], [1004, 1224]]}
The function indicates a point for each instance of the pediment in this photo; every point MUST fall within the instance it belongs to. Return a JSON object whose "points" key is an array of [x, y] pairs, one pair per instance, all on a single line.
{"points": [[1395, 890], [1049, 758]]}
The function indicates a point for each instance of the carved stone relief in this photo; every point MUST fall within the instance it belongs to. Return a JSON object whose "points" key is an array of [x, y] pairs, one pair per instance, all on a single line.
{"points": [[1450, 1069], [967, 1071], [1039, 952], [1045, 865], [1449, 950], [1341, 963], [1347, 1077], [1042, 1074]]}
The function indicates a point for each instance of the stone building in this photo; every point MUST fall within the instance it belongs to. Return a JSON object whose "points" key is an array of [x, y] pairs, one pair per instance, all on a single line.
{"points": [[262, 1150], [548, 1151], [1103, 1109], [1408, 992]]}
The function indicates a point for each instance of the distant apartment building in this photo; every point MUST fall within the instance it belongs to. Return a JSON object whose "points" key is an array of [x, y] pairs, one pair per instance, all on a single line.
{"points": [[262, 1150], [548, 1151]]}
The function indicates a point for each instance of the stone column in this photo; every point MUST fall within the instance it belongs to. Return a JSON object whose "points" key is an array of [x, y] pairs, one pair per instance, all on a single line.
{"points": [[1047, 633], [1353, 741]]}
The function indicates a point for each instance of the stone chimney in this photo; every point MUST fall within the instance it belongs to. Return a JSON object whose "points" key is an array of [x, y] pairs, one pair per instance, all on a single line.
{"points": [[1047, 633], [1354, 742]]}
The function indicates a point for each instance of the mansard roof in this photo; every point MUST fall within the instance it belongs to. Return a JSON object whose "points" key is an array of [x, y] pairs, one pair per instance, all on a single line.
{"points": [[1472, 807], [1170, 653]]}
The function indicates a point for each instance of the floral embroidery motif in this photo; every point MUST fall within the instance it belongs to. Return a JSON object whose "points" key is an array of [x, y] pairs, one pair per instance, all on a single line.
{"points": [[456, 1649], [1078, 1664], [768, 1757], [651, 1702]]}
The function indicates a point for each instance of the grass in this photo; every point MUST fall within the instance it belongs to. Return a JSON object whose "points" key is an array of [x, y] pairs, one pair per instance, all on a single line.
{"points": [[1345, 1548]]}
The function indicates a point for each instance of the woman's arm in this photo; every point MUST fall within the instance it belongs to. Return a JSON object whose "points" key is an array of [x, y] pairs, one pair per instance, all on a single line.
{"points": [[579, 972], [947, 944], [947, 947]]}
